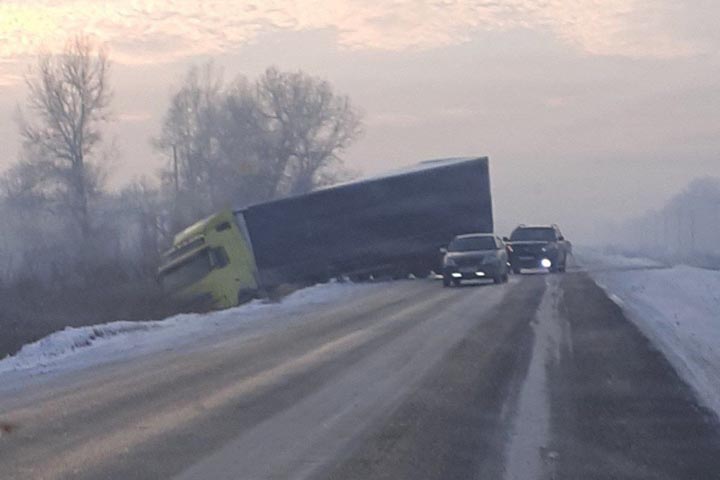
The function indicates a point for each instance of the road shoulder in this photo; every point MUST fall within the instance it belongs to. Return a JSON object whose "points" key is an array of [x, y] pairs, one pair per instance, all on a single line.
{"points": [[619, 408]]}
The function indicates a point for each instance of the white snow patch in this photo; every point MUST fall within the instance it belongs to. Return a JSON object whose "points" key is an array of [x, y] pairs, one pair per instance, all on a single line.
{"points": [[617, 300], [77, 347], [527, 455], [678, 309], [61, 344], [591, 258]]}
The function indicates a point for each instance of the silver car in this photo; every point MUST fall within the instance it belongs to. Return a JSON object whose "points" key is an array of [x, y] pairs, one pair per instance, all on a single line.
{"points": [[475, 256]]}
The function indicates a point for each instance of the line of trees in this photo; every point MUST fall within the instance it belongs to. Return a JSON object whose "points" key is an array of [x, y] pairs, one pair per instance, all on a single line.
{"points": [[227, 143], [243, 142], [685, 229]]}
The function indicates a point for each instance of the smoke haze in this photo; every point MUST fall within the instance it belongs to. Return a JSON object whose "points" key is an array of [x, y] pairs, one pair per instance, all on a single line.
{"points": [[589, 112]]}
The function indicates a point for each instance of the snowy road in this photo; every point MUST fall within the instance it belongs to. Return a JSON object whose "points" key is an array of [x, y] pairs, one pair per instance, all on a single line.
{"points": [[542, 378]]}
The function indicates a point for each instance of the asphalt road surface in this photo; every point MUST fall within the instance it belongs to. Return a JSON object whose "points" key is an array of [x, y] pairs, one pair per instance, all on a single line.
{"points": [[541, 378]]}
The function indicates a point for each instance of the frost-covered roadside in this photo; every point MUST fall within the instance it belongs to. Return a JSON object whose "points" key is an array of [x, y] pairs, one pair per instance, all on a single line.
{"points": [[78, 347], [677, 308]]}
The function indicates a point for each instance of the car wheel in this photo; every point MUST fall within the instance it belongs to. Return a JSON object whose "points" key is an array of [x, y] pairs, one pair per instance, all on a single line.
{"points": [[498, 279], [456, 282], [516, 271], [506, 278], [446, 282]]}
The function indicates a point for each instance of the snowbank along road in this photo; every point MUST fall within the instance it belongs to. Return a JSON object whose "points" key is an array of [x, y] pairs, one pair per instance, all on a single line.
{"points": [[541, 378]]}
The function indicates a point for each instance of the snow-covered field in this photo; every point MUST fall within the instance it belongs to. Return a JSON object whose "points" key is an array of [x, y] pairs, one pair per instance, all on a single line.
{"points": [[81, 347], [677, 308]]}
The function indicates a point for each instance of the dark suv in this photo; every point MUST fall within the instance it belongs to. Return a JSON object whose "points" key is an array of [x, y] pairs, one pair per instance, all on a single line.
{"points": [[538, 247]]}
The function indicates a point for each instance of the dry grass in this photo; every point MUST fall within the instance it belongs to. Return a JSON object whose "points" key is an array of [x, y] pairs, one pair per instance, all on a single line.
{"points": [[30, 311]]}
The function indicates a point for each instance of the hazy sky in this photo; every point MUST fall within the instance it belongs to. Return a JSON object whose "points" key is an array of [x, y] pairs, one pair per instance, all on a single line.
{"points": [[588, 109]]}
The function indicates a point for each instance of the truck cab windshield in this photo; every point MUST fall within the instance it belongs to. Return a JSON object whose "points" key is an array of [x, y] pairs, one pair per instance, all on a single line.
{"points": [[190, 271], [533, 234], [471, 244]]}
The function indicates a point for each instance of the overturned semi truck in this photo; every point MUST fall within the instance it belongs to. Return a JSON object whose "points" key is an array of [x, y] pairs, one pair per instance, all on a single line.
{"points": [[389, 225]]}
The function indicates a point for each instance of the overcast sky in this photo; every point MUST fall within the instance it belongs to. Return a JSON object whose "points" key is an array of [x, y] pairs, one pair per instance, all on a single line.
{"points": [[588, 109]]}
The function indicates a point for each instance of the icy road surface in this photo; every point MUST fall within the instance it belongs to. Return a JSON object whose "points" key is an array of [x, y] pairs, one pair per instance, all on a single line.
{"points": [[542, 378], [677, 308]]}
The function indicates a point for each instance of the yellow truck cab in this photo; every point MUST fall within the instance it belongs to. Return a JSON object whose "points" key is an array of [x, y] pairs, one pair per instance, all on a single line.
{"points": [[210, 265]]}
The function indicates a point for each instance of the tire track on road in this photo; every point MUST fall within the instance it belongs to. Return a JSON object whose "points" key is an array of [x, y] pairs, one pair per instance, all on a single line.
{"points": [[529, 454], [451, 426]]}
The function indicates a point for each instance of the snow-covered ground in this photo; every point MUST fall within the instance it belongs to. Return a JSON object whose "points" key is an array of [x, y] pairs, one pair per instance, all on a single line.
{"points": [[75, 348], [594, 260], [677, 308]]}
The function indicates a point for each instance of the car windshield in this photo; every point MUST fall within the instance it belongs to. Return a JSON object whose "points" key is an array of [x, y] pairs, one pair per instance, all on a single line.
{"points": [[542, 234], [188, 272], [469, 244]]}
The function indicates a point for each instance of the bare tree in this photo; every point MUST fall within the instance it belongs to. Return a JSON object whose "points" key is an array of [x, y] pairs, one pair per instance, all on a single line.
{"points": [[26, 184], [141, 202], [243, 142], [69, 99], [189, 138], [309, 126], [247, 142]]}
